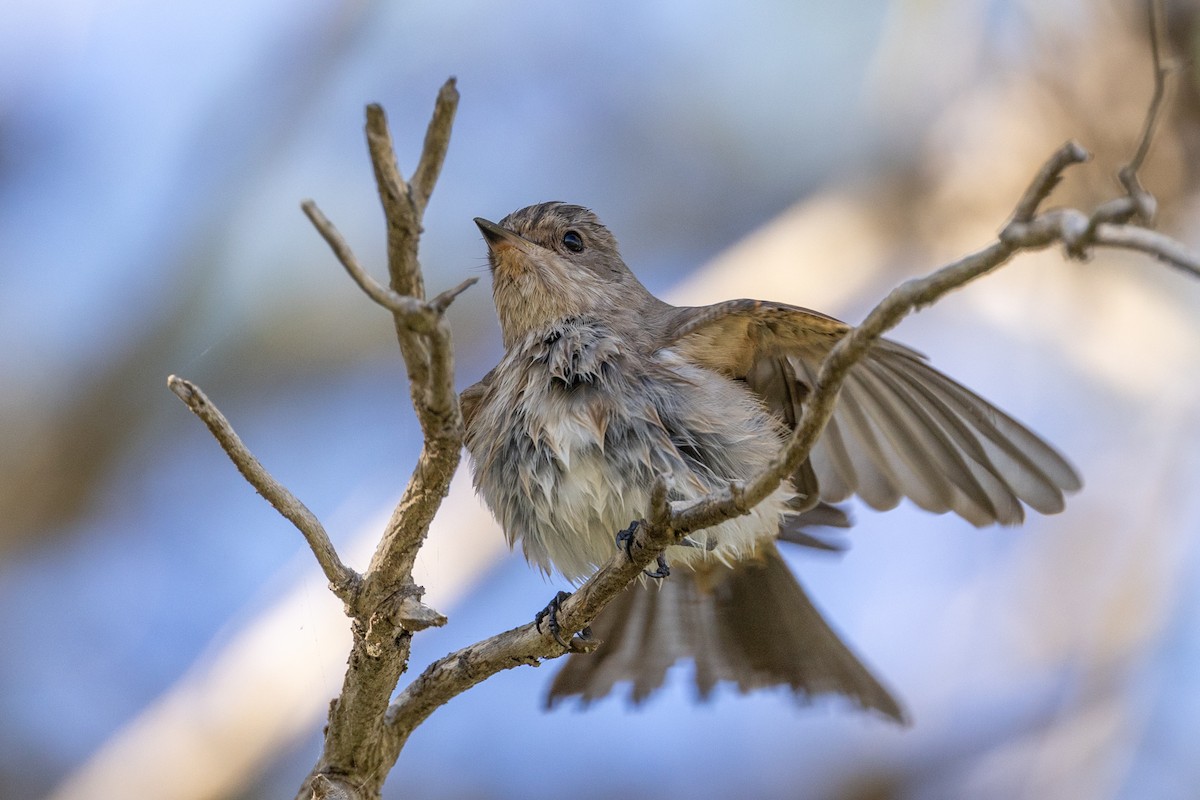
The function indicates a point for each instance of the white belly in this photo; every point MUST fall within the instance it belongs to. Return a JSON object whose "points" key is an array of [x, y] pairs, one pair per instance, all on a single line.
{"points": [[567, 465]]}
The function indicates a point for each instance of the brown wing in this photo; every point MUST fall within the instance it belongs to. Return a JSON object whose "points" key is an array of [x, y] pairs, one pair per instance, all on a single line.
{"points": [[900, 428]]}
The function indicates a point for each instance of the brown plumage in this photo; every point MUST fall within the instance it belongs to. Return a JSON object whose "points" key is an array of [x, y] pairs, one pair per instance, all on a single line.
{"points": [[603, 387]]}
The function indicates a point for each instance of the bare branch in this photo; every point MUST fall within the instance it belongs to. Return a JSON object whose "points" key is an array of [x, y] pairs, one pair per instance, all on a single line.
{"points": [[404, 204], [385, 603], [437, 139], [1026, 230], [419, 315], [343, 581], [428, 357], [1047, 178], [388, 608], [443, 300], [403, 224], [385, 297], [1154, 15], [433, 402], [1139, 203], [1163, 248]]}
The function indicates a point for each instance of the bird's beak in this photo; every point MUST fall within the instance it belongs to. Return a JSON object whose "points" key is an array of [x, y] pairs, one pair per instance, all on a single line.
{"points": [[498, 238]]}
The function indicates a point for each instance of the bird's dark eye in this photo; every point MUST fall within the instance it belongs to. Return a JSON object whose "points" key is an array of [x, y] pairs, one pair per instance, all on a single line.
{"points": [[573, 241]]}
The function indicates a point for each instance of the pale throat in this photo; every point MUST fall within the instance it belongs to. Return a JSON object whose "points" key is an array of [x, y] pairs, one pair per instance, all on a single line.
{"points": [[531, 301]]}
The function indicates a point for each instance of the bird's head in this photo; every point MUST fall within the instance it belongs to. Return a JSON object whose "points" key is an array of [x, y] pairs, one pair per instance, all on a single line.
{"points": [[551, 261]]}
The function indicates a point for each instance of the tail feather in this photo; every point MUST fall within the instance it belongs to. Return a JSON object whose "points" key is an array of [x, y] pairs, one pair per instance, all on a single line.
{"points": [[751, 624]]}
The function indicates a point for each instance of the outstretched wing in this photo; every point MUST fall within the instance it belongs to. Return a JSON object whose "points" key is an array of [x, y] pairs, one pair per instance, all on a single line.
{"points": [[900, 428]]}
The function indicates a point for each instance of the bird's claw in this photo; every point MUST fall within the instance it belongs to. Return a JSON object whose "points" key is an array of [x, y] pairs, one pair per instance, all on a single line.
{"points": [[625, 542], [625, 537], [550, 615], [662, 571]]}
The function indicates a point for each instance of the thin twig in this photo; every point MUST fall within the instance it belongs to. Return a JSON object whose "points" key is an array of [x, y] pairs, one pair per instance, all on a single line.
{"points": [[1161, 70], [1047, 178], [403, 224], [419, 315], [437, 140], [441, 302], [396, 303], [342, 580], [1145, 206], [388, 180], [1153, 243]]}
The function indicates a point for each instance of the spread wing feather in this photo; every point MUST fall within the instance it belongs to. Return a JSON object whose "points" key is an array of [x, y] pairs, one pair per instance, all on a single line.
{"points": [[900, 427]]}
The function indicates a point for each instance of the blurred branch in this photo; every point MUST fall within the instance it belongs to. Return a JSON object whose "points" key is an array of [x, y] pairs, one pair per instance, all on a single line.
{"points": [[1128, 175], [1153, 243], [1137, 202], [1047, 178]]}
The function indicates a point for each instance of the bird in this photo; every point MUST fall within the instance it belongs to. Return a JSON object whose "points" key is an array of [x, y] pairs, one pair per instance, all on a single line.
{"points": [[604, 388]]}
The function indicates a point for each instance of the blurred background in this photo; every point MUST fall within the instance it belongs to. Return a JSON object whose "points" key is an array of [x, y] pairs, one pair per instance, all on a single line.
{"points": [[166, 634]]}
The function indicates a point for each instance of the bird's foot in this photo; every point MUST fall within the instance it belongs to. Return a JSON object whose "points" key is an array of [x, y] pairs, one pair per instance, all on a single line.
{"points": [[549, 614], [625, 542], [625, 537], [663, 570]]}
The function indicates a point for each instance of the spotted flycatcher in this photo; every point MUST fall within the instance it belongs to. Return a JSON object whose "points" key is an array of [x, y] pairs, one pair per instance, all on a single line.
{"points": [[603, 388]]}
